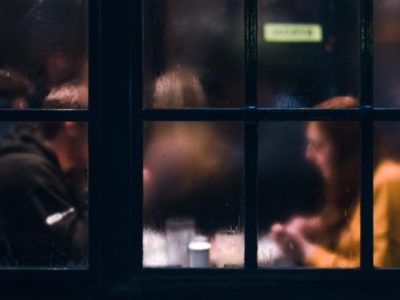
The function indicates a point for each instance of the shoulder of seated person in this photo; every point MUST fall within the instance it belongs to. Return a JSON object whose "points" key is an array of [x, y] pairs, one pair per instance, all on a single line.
{"points": [[388, 171], [23, 164]]}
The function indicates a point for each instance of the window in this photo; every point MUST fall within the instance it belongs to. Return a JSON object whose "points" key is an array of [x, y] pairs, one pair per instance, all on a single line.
{"points": [[304, 58], [224, 60], [297, 55]]}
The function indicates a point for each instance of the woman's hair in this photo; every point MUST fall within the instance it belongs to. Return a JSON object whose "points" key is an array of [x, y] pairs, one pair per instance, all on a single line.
{"points": [[386, 142], [341, 193], [344, 135], [178, 88]]}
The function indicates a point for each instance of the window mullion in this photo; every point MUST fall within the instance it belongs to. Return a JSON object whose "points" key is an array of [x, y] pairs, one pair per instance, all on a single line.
{"points": [[137, 124], [251, 137], [367, 134], [251, 145]]}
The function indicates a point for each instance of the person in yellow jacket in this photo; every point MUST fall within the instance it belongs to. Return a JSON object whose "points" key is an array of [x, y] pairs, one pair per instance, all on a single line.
{"points": [[331, 238]]}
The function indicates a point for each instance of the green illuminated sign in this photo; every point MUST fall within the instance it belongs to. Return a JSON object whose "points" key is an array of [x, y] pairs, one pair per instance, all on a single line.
{"points": [[292, 33]]}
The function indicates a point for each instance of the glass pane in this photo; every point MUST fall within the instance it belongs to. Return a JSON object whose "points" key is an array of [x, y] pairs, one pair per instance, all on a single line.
{"points": [[43, 195], [43, 54], [386, 53], [309, 194], [193, 188], [387, 195], [193, 53], [308, 51]]}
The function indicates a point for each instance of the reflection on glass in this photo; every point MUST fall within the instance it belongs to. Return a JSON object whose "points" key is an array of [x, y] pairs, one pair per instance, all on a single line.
{"points": [[43, 54], [309, 194], [307, 51], [387, 195], [43, 195], [193, 177], [386, 53], [196, 43]]}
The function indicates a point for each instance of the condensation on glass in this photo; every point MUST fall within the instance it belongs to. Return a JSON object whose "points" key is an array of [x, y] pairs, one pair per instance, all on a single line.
{"points": [[386, 53], [386, 195], [309, 194], [193, 189], [193, 53], [308, 51], [43, 195], [43, 54]]}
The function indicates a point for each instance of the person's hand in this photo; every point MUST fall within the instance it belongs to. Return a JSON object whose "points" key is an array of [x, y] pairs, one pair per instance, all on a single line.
{"points": [[290, 243], [293, 243], [307, 227]]}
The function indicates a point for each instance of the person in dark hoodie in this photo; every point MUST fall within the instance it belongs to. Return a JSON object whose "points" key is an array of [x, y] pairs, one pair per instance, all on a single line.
{"points": [[43, 195]]}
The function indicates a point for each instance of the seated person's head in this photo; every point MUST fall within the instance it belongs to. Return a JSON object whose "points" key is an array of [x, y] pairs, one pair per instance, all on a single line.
{"points": [[178, 88], [332, 145], [69, 141], [14, 89], [339, 102], [71, 95]]}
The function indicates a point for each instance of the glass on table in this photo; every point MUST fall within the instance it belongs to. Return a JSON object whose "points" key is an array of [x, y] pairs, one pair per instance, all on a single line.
{"points": [[199, 252], [179, 233], [227, 250], [154, 249]]}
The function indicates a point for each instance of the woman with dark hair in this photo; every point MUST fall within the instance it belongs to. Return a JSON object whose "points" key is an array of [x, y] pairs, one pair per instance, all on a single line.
{"points": [[331, 238]]}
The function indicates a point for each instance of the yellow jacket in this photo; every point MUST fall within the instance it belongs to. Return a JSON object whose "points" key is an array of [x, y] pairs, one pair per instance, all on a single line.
{"points": [[386, 227]]}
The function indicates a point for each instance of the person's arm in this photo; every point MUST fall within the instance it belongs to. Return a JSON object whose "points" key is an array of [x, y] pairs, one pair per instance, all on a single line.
{"points": [[38, 198], [298, 248], [319, 257], [385, 192], [386, 198], [308, 226], [64, 217]]}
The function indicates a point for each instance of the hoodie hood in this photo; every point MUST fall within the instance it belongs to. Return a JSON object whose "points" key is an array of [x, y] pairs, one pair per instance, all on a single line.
{"points": [[25, 138]]}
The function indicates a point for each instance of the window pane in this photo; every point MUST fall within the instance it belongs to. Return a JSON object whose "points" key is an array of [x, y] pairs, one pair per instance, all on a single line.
{"points": [[308, 51], [43, 195], [43, 54], [386, 53], [387, 195], [193, 188], [309, 194], [193, 53]]}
